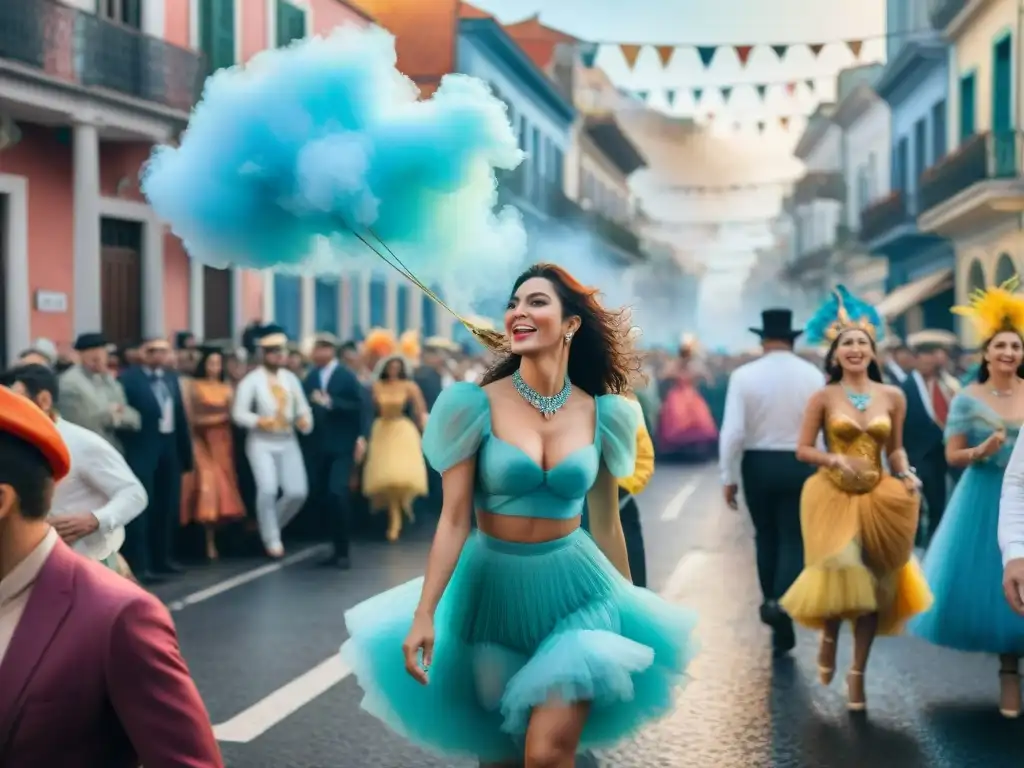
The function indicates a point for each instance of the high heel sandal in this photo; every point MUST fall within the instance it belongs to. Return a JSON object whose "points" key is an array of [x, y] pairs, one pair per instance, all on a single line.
{"points": [[1011, 714], [826, 674], [851, 705]]}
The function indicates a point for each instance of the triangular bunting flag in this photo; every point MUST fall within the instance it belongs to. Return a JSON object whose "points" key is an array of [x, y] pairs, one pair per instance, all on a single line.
{"points": [[697, 93], [630, 53], [784, 122], [726, 93], [810, 85], [855, 46], [743, 53], [588, 54], [641, 95], [816, 48], [665, 54], [707, 54], [761, 91], [760, 127], [780, 50], [670, 97], [790, 88]]}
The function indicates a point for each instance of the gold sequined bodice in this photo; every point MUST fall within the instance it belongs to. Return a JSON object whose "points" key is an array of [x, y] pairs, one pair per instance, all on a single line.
{"points": [[391, 401], [848, 438]]}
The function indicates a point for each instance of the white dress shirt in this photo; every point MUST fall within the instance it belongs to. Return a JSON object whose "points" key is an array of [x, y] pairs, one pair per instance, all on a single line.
{"points": [[16, 587], [1011, 507], [764, 408], [99, 483], [254, 400]]}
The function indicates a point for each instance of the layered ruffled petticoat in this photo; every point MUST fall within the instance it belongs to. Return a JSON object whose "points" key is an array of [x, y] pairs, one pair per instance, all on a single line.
{"points": [[858, 550], [518, 626]]}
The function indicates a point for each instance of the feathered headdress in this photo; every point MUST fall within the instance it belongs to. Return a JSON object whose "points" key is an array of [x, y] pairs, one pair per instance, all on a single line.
{"points": [[843, 311], [996, 309], [380, 342], [409, 345]]}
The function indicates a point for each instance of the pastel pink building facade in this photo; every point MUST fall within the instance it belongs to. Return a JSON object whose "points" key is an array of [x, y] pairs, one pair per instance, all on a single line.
{"points": [[89, 88]]}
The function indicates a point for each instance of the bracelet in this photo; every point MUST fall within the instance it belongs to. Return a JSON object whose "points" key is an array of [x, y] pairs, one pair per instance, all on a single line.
{"points": [[910, 472]]}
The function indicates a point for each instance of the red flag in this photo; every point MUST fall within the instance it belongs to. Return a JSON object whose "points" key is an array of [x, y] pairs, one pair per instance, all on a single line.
{"points": [[743, 53]]}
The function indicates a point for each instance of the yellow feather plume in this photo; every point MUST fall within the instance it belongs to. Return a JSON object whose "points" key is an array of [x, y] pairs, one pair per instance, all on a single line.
{"points": [[409, 345], [995, 309]]}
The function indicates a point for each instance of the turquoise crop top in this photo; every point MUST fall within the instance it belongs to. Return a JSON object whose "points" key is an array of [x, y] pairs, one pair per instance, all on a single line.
{"points": [[508, 482]]}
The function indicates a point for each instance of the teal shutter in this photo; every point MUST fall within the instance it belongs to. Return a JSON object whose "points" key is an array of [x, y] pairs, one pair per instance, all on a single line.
{"points": [[1002, 85], [291, 23], [217, 33], [967, 107]]}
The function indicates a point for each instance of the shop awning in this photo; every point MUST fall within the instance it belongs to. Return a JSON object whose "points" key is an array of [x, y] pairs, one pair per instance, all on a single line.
{"points": [[912, 294]]}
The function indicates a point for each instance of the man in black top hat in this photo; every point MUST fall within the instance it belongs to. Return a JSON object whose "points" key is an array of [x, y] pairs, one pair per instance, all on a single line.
{"points": [[764, 411]]}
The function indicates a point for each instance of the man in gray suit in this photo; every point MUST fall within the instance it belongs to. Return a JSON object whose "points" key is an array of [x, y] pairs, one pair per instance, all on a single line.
{"points": [[91, 397]]}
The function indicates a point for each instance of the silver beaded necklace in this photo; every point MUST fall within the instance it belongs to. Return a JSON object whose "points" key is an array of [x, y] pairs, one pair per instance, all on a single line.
{"points": [[547, 405]]}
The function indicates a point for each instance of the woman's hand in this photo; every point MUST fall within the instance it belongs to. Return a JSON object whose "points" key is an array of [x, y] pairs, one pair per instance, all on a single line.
{"points": [[912, 483], [991, 445], [420, 638], [852, 467]]}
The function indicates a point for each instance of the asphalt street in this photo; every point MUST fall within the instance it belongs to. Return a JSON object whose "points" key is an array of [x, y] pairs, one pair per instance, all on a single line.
{"points": [[261, 641]]}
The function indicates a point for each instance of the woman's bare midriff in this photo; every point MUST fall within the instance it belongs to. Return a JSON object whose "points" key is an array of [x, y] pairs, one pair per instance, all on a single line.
{"points": [[525, 530]]}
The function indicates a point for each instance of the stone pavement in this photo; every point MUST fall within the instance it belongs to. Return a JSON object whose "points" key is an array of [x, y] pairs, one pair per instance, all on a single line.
{"points": [[927, 707]]}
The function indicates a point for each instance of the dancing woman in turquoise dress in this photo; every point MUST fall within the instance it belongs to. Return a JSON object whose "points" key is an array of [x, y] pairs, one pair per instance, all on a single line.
{"points": [[963, 564], [526, 641]]}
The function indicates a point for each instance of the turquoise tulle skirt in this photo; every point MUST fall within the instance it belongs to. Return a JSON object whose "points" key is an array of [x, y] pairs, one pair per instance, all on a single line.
{"points": [[521, 625], [965, 570]]}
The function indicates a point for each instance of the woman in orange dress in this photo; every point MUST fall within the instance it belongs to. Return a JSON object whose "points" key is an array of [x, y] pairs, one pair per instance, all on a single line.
{"points": [[210, 492]]}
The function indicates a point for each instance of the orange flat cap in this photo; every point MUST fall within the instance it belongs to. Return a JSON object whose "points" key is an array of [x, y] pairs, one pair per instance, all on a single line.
{"points": [[23, 419]]}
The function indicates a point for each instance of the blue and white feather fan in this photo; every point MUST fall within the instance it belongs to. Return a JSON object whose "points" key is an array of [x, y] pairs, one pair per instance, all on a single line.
{"points": [[843, 311]]}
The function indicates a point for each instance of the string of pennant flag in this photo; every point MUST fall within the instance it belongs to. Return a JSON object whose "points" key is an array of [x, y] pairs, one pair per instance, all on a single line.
{"points": [[725, 91], [707, 53]]}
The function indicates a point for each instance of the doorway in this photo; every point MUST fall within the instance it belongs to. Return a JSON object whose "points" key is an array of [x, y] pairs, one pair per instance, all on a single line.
{"points": [[217, 305], [121, 280]]}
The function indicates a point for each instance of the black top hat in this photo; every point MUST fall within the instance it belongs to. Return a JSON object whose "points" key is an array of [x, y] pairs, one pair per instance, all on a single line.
{"points": [[777, 324]]}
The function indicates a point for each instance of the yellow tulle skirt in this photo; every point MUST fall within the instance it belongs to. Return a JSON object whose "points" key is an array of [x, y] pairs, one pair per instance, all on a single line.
{"points": [[395, 472], [858, 554]]}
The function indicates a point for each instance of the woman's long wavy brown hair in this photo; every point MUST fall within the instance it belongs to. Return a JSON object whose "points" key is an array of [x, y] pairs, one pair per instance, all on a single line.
{"points": [[602, 359]]}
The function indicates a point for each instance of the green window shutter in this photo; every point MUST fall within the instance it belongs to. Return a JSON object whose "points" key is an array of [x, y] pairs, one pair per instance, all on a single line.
{"points": [[291, 23], [967, 107], [217, 32]]}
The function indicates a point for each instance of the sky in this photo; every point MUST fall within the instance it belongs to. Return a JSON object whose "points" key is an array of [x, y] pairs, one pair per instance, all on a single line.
{"points": [[730, 251]]}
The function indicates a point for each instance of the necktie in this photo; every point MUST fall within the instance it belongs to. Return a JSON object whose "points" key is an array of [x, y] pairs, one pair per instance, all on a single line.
{"points": [[939, 404]]}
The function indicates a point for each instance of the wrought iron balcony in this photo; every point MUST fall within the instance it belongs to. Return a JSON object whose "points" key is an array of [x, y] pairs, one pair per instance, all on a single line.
{"points": [[944, 11], [84, 49], [983, 157], [884, 215], [820, 185]]}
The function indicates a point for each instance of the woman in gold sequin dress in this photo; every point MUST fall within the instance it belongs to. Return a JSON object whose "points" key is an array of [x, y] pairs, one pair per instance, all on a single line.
{"points": [[395, 473], [858, 520]]}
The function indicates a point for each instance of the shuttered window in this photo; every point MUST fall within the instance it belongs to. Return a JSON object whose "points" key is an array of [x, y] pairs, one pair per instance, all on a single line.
{"points": [[291, 23], [217, 33]]}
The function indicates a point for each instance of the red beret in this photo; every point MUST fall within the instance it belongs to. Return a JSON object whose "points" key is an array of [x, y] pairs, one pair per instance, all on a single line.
{"points": [[22, 418]]}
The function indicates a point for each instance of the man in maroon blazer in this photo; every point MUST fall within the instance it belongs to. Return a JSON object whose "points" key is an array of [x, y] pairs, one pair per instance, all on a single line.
{"points": [[90, 670]]}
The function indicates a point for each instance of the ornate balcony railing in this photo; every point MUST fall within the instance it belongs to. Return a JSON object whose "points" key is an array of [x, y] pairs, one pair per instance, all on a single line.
{"points": [[820, 185], [981, 158], [884, 215], [944, 11], [87, 50]]}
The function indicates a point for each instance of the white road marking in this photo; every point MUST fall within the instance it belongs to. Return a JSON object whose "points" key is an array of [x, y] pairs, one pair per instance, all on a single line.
{"points": [[244, 578], [675, 506], [285, 701], [684, 574]]}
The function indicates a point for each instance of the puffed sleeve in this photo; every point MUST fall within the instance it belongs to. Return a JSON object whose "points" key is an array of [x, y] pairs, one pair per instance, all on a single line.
{"points": [[460, 418], [961, 414], [617, 425]]}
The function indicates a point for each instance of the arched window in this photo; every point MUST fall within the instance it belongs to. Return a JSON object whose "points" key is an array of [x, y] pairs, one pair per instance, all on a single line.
{"points": [[975, 277], [1005, 269]]}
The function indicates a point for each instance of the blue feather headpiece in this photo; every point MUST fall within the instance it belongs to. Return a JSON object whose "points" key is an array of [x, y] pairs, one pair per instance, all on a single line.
{"points": [[842, 311]]}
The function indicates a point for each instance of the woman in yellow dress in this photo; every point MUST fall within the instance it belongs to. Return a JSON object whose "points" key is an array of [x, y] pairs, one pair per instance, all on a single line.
{"points": [[858, 520], [395, 473]]}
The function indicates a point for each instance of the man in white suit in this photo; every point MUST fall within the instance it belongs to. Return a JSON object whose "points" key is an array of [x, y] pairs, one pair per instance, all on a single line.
{"points": [[271, 404]]}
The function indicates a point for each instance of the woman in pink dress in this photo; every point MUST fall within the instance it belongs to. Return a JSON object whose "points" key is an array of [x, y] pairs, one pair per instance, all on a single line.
{"points": [[686, 428]]}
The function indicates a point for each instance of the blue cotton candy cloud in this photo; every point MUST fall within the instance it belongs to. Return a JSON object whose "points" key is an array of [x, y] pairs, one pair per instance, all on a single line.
{"points": [[285, 157]]}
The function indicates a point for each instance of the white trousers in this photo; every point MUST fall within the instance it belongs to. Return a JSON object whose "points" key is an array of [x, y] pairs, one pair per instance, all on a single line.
{"points": [[277, 464]]}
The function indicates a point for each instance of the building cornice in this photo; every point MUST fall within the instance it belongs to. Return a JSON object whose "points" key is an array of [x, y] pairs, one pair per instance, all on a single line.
{"points": [[914, 57]]}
